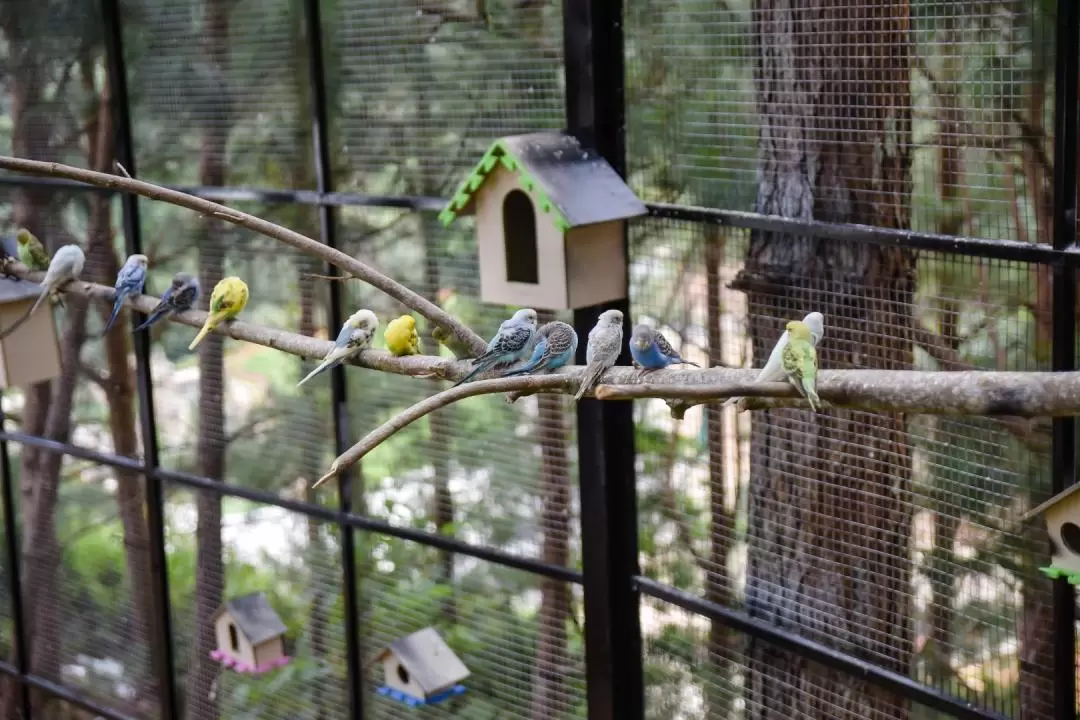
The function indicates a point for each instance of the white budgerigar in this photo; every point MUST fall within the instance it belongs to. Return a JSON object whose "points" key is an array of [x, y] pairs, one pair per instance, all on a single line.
{"points": [[605, 345], [774, 366], [356, 334], [66, 265]]}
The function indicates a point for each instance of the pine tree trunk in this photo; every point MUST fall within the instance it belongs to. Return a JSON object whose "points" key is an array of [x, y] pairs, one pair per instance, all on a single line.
{"points": [[830, 513]]}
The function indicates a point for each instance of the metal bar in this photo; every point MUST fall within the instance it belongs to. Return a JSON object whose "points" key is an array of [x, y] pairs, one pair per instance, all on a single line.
{"points": [[59, 691], [823, 654], [160, 630], [263, 497], [11, 538], [1063, 301], [595, 114], [320, 138]]}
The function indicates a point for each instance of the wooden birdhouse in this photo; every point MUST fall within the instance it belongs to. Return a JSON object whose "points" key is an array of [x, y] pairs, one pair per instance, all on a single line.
{"points": [[250, 635], [31, 353], [550, 221], [421, 669], [1061, 514]]}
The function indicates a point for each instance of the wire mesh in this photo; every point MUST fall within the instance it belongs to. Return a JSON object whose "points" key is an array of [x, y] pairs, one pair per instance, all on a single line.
{"points": [[729, 103], [777, 512]]}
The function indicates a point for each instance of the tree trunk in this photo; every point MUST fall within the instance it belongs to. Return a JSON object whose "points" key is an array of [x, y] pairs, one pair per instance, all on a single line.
{"points": [[549, 671], [829, 511], [202, 701]]}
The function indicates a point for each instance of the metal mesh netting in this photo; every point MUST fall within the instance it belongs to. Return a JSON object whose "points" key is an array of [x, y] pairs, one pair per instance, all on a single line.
{"points": [[733, 506], [970, 80]]}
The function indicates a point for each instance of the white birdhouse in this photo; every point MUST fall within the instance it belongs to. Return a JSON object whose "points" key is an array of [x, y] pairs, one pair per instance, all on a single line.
{"points": [[1061, 514], [31, 353], [421, 669], [250, 635], [550, 223]]}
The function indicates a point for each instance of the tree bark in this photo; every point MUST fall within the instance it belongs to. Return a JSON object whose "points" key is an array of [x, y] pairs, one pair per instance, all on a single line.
{"points": [[829, 536], [202, 700]]}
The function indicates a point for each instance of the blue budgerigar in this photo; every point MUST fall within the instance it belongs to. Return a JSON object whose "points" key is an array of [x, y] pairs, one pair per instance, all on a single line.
{"points": [[605, 344], [512, 343], [652, 351], [556, 343], [129, 281], [179, 297]]}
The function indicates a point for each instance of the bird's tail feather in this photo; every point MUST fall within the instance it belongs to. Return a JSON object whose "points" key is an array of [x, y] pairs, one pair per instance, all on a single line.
{"points": [[687, 362], [41, 297], [810, 393], [324, 365], [206, 328], [112, 318], [153, 318], [479, 368], [592, 374]]}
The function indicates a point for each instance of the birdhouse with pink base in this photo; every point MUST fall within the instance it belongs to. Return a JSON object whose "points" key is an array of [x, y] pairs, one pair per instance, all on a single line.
{"points": [[31, 353], [550, 222], [250, 635]]}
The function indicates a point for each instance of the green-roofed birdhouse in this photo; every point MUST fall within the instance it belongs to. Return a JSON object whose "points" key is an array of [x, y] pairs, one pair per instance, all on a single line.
{"points": [[550, 223], [1061, 514]]}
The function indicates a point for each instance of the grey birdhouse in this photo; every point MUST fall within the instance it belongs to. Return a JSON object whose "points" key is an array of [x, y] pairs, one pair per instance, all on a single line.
{"points": [[1061, 514], [421, 669], [550, 222], [31, 353], [250, 635]]}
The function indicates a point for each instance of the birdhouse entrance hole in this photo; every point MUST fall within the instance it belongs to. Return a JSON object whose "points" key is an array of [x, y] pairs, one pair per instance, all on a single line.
{"points": [[234, 640], [1070, 535], [403, 674], [519, 238]]}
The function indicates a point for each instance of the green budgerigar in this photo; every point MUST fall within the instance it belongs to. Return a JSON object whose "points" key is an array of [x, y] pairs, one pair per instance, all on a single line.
{"points": [[32, 253], [800, 362]]}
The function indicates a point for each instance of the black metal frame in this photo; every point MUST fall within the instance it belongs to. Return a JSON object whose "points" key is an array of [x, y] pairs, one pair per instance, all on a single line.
{"points": [[612, 583]]}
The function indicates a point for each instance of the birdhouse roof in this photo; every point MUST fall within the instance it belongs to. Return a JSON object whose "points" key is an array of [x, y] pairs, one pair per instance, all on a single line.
{"points": [[254, 616], [1061, 496], [428, 658], [16, 290], [574, 186]]}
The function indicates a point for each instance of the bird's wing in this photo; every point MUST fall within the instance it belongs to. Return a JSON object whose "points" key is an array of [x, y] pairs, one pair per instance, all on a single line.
{"points": [[511, 340], [774, 366], [664, 346], [560, 340]]}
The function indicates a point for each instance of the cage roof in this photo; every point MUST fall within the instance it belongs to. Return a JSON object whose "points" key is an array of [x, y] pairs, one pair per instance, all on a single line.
{"points": [[428, 658], [14, 290], [571, 184], [254, 616]]}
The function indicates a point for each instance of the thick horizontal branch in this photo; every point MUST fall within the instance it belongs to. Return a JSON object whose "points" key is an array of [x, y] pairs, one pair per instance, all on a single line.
{"points": [[352, 267]]}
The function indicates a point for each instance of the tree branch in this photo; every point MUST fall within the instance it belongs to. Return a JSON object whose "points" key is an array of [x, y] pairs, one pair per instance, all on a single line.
{"points": [[350, 265]]}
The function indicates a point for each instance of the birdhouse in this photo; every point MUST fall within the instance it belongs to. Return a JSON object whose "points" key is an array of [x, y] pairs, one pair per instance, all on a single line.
{"points": [[421, 669], [31, 353], [550, 223], [1061, 514], [250, 635]]}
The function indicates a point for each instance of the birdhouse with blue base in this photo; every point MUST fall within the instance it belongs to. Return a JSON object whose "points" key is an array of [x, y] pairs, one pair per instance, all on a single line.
{"points": [[550, 222], [31, 353], [421, 669], [250, 635], [1061, 514]]}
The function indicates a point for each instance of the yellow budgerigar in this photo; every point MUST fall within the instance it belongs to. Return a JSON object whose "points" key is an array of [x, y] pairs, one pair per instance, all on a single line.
{"points": [[228, 299], [800, 362], [401, 336]]}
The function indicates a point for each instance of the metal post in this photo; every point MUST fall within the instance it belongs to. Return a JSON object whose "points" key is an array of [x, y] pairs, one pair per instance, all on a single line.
{"points": [[595, 113], [1064, 330], [18, 617], [320, 132], [161, 644]]}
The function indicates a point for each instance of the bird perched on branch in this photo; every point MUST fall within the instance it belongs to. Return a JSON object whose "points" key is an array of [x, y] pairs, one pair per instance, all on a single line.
{"points": [[774, 366], [129, 281], [355, 335], [65, 266], [226, 302], [605, 344], [512, 343], [651, 350], [32, 253], [180, 296], [401, 336], [800, 362], [556, 343]]}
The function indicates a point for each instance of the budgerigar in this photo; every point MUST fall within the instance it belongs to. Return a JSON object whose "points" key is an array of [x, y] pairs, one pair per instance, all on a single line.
{"points": [[774, 366], [605, 344], [651, 350], [512, 343], [226, 302], [66, 265], [556, 343], [401, 336], [356, 334], [800, 362], [32, 253], [180, 296], [129, 281]]}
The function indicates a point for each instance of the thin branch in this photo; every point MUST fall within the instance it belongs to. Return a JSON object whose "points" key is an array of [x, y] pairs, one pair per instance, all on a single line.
{"points": [[351, 266]]}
